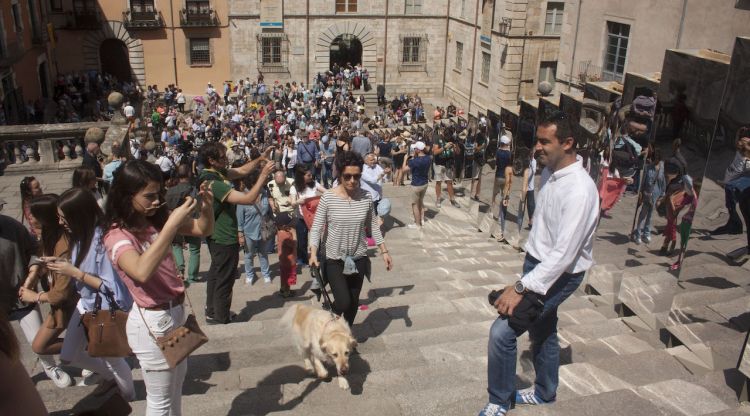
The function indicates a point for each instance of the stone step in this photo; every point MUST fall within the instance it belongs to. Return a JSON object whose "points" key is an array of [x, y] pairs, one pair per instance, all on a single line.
{"points": [[624, 402], [717, 345]]}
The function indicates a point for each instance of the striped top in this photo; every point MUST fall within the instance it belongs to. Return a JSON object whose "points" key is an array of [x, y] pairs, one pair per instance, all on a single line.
{"points": [[344, 222]]}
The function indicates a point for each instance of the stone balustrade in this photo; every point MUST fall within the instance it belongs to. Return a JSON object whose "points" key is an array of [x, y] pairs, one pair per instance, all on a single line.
{"points": [[42, 147]]}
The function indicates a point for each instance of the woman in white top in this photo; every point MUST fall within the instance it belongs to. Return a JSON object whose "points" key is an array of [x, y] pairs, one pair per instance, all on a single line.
{"points": [[307, 188], [289, 158]]}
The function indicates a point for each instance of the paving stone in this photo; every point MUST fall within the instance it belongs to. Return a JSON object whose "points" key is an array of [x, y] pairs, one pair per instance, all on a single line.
{"points": [[643, 368], [687, 398]]}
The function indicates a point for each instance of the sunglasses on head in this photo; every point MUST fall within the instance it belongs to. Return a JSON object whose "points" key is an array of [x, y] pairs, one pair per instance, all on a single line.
{"points": [[350, 176]]}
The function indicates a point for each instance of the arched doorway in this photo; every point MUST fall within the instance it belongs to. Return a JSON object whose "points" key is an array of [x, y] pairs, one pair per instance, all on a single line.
{"points": [[113, 57], [346, 49]]}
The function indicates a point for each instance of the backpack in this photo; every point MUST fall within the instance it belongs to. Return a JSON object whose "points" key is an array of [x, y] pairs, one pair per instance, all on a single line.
{"points": [[625, 157]]}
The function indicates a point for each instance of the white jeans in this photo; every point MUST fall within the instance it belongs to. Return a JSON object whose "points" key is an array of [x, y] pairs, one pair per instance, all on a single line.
{"points": [[74, 352], [30, 325], [163, 385]]}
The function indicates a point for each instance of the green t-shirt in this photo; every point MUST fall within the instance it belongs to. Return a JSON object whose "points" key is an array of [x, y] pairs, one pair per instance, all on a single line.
{"points": [[225, 226]]}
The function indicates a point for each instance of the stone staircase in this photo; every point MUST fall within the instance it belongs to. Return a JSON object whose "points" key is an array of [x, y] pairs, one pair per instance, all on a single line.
{"points": [[634, 341]]}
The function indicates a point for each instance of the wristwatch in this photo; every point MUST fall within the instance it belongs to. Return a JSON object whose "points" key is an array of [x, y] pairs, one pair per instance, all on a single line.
{"points": [[519, 287]]}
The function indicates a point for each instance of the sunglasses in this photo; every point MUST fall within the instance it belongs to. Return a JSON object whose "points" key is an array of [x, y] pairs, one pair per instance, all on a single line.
{"points": [[350, 176]]}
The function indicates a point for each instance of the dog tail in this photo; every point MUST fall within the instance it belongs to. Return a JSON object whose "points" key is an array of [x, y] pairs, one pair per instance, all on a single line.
{"points": [[288, 318]]}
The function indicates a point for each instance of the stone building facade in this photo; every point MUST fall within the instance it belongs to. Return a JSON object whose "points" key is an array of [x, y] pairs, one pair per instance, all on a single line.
{"points": [[407, 45], [181, 42], [605, 39]]}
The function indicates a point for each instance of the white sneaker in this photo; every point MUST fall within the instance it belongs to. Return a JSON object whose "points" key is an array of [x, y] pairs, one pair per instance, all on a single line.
{"points": [[89, 378], [59, 377], [412, 226], [267, 280]]}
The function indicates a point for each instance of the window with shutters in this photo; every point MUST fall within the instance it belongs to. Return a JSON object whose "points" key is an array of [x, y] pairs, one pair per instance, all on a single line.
{"points": [[459, 56], [553, 21], [200, 51], [486, 61], [346, 6], [618, 36], [413, 7]]}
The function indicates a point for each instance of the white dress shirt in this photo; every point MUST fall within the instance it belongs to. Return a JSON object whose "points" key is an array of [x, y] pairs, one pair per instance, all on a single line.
{"points": [[564, 226], [372, 181]]}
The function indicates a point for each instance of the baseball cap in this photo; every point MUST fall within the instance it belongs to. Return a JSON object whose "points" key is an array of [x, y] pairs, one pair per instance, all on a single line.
{"points": [[419, 146], [505, 140]]}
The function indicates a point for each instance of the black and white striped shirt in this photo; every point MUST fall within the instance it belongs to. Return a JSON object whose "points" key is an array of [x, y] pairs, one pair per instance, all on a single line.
{"points": [[344, 223]]}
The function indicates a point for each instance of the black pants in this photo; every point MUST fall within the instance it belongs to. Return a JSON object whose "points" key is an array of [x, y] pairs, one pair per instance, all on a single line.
{"points": [[221, 276], [744, 202], [346, 289]]}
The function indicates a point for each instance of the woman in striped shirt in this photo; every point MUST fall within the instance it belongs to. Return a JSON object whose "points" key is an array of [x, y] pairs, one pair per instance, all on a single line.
{"points": [[345, 211]]}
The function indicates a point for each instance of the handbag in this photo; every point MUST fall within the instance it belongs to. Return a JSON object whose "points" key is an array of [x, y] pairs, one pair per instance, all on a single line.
{"points": [[267, 225], [105, 330], [180, 342]]}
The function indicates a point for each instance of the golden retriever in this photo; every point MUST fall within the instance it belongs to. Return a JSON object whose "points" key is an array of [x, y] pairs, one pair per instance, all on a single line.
{"points": [[321, 338]]}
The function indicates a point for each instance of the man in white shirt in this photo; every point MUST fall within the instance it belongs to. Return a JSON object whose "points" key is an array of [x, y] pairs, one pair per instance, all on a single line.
{"points": [[559, 251]]}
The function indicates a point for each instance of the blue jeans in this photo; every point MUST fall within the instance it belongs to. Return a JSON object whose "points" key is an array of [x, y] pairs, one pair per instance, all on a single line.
{"points": [[501, 367], [256, 247], [328, 173], [643, 227], [302, 231]]}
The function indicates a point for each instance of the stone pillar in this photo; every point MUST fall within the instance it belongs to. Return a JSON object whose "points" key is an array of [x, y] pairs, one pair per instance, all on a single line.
{"points": [[118, 130]]}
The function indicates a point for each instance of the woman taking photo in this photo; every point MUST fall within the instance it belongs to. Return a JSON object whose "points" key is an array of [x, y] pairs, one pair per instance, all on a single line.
{"points": [[93, 273], [345, 211], [138, 239], [249, 222]]}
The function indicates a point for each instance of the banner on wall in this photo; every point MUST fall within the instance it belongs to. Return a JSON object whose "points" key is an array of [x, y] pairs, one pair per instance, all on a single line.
{"points": [[271, 14]]}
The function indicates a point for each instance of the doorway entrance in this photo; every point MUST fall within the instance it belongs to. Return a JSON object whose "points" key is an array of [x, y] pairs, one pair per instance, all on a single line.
{"points": [[346, 49], [113, 57]]}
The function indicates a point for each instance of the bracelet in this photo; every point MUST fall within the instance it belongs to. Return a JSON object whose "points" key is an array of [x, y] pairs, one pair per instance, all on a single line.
{"points": [[39, 297], [384, 252], [83, 276]]}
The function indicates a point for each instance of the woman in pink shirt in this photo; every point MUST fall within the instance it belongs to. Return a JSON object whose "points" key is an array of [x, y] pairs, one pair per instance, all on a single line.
{"points": [[139, 241]]}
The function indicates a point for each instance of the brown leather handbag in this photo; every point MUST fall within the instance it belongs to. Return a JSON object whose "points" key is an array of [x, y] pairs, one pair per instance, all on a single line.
{"points": [[105, 329], [180, 342]]}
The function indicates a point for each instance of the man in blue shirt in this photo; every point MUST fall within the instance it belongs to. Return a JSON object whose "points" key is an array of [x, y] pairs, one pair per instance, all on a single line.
{"points": [[419, 165], [308, 154]]}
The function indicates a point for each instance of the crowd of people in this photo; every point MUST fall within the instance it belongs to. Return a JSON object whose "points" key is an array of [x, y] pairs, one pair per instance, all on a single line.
{"points": [[76, 97], [254, 169]]}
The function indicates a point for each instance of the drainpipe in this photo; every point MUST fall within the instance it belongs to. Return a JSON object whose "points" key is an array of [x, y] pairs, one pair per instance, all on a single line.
{"points": [[575, 44], [445, 53], [307, 47], [523, 54], [174, 45], [473, 58], [385, 51], [682, 23]]}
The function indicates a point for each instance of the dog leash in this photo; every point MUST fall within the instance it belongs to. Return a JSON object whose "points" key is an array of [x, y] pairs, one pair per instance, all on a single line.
{"points": [[315, 272]]}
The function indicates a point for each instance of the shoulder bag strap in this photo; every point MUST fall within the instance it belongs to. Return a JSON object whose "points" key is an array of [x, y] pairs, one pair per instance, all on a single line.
{"points": [[192, 311]]}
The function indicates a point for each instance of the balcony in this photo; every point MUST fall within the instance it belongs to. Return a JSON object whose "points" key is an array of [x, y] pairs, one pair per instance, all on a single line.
{"points": [[86, 19], [10, 53], [198, 18], [137, 19]]}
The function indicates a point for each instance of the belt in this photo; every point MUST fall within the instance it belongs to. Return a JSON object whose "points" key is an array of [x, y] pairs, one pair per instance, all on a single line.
{"points": [[168, 305]]}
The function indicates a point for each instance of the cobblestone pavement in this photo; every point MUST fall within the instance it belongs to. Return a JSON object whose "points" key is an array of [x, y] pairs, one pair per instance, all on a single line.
{"points": [[635, 340]]}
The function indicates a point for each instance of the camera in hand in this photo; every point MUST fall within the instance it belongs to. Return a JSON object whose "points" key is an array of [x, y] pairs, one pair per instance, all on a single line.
{"points": [[493, 296]]}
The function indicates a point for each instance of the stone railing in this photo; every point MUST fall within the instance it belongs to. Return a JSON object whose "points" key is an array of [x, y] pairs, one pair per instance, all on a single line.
{"points": [[42, 147]]}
